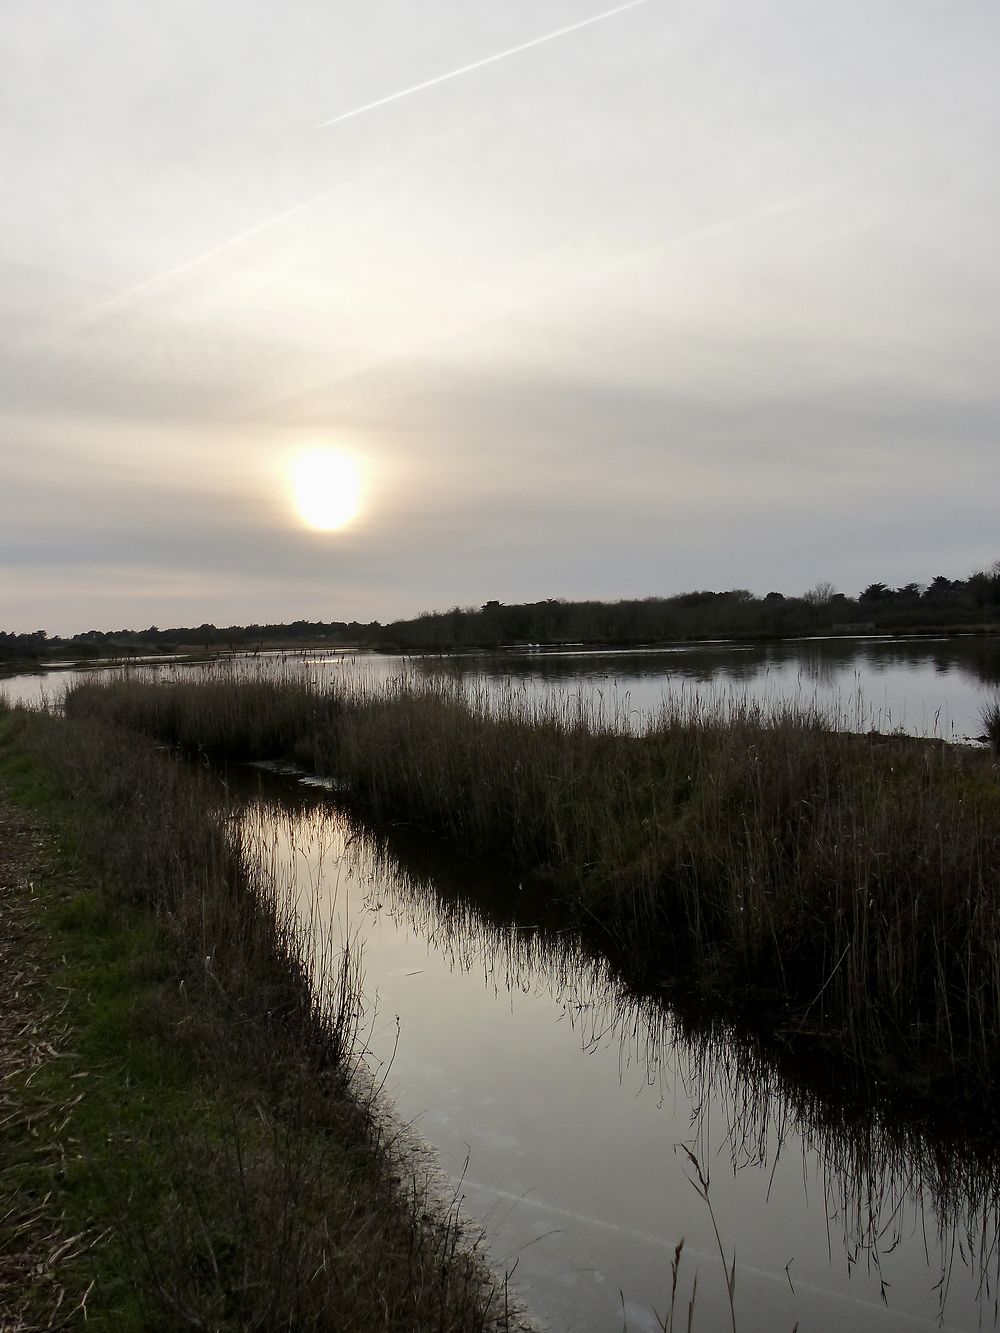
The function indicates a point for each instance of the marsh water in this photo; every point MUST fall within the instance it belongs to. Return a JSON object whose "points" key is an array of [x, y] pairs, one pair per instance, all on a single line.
{"points": [[572, 1116], [563, 1108], [926, 687]]}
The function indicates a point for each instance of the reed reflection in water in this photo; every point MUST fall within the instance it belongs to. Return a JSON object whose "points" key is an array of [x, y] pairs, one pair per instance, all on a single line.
{"points": [[559, 1098], [927, 687]]}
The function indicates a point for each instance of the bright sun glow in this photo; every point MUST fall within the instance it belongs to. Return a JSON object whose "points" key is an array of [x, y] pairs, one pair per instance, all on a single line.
{"points": [[326, 484]]}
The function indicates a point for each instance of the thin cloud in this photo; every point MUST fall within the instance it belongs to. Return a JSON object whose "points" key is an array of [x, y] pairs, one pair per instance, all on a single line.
{"points": [[130, 294], [479, 64], [547, 292]]}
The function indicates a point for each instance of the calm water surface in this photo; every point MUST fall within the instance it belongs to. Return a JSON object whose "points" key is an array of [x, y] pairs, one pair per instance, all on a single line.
{"points": [[925, 687], [560, 1106]]}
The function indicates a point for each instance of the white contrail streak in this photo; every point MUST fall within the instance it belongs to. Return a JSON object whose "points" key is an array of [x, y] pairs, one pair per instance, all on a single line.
{"points": [[479, 64], [778, 1276], [551, 290], [112, 303], [124, 298]]}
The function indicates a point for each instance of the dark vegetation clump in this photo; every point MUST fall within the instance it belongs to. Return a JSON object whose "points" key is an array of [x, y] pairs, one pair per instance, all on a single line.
{"points": [[846, 888]]}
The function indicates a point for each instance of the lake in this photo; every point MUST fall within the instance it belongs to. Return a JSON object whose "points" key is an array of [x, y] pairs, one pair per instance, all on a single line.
{"points": [[926, 687]]}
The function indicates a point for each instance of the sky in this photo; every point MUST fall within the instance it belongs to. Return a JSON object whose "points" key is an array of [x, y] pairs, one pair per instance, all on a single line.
{"points": [[596, 300]]}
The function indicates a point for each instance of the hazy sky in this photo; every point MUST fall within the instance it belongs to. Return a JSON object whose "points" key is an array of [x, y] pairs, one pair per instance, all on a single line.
{"points": [[696, 295]]}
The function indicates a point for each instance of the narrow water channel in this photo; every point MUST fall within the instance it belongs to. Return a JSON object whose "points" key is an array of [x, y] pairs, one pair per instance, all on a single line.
{"points": [[564, 1110]]}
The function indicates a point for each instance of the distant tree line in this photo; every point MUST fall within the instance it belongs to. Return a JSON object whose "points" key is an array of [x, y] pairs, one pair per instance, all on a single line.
{"points": [[230, 636], [22, 647], [117, 642], [947, 604], [943, 604]]}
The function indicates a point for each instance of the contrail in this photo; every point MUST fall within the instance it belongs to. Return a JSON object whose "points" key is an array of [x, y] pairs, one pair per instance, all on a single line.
{"points": [[479, 64], [140, 288], [601, 272], [779, 1276], [130, 293]]}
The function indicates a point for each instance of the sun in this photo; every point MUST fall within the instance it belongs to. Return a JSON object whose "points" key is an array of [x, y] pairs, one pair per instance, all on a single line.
{"points": [[326, 486]]}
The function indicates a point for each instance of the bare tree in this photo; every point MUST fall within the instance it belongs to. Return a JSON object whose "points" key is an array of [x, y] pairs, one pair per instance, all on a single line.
{"points": [[822, 595]]}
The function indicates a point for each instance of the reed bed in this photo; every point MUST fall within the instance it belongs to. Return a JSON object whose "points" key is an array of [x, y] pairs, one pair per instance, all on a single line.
{"points": [[246, 1175], [243, 714], [844, 886], [885, 1180], [991, 724]]}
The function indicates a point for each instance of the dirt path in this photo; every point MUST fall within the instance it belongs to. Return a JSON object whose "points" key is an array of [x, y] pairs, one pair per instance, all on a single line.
{"points": [[34, 1246]]}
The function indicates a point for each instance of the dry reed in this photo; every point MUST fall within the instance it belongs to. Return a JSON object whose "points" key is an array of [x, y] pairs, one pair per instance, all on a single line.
{"points": [[845, 885]]}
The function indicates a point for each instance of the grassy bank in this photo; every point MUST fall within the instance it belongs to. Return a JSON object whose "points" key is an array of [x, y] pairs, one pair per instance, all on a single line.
{"points": [[196, 1133], [847, 887]]}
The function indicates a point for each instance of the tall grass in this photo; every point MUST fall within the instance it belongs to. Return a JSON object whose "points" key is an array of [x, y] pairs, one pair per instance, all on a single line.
{"points": [[990, 715], [251, 1180], [848, 886]]}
